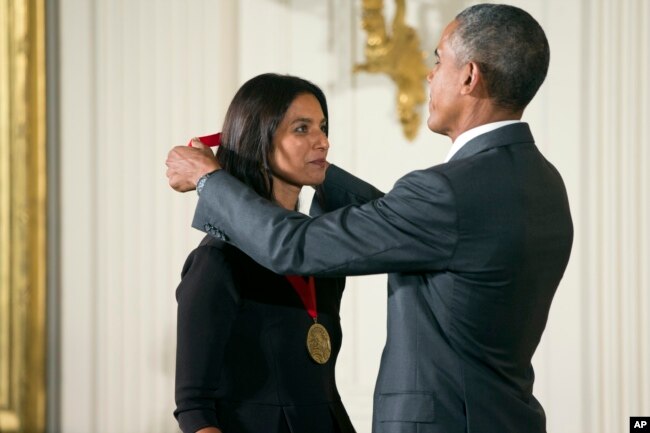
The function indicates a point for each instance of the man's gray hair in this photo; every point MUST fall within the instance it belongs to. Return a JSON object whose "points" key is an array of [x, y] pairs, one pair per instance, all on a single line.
{"points": [[509, 47]]}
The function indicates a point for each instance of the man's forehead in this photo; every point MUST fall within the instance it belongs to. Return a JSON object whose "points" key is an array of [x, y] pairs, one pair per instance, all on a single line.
{"points": [[449, 29], [444, 37]]}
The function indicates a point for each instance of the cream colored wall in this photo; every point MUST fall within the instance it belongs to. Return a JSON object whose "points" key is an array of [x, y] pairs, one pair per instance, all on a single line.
{"points": [[140, 76]]}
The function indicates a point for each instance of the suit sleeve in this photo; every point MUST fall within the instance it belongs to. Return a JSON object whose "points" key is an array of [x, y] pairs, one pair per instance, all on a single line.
{"points": [[411, 229], [341, 189], [207, 303]]}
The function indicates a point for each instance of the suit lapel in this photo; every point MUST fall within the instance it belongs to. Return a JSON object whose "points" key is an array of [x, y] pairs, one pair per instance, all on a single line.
{"points": [[506, 135]]}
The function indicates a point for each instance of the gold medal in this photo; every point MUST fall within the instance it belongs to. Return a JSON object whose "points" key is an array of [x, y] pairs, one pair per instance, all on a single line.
{"points": [[319, 346], [318, 343]]}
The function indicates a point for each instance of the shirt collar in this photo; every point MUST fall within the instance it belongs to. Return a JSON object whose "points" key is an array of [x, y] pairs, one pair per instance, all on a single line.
{"points": [[466, 136]]}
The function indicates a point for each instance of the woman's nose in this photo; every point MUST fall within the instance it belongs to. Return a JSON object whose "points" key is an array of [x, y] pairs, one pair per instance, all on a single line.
{"points": [[430, 75], [322, 141]]}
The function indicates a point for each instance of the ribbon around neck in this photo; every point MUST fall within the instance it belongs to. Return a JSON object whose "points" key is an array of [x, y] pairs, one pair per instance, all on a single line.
{"points": [[209, 140], [307, 292]]}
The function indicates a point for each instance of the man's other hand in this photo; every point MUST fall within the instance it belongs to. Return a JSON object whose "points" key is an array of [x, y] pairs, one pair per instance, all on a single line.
{"points": [[186, 165]]}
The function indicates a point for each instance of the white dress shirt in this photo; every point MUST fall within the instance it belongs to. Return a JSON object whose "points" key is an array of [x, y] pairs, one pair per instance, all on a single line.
{"points": [[466, 136]]}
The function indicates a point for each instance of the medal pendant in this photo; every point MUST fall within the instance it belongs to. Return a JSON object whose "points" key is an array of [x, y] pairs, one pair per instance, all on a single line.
{"points": [[318, 343]]}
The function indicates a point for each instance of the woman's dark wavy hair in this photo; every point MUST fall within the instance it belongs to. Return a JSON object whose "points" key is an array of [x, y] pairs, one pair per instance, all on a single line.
{"points": [[251, 122]]}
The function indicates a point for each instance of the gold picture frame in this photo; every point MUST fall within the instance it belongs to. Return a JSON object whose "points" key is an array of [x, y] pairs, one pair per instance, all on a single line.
{"points": [[22, 216]]}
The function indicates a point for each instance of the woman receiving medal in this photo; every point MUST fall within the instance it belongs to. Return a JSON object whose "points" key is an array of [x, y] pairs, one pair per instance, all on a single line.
{"points": [[256, 351]]}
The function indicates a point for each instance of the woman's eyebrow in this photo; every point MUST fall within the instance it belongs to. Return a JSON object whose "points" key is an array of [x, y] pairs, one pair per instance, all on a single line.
{"points": [[302, 119]]}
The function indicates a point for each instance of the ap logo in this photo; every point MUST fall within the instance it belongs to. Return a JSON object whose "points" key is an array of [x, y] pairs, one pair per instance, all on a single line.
{"points": [[640, 424]]}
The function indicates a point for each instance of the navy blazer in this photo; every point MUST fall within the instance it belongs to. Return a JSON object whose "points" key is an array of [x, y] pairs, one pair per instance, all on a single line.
{"points": [[475, 249], [242, 363]]}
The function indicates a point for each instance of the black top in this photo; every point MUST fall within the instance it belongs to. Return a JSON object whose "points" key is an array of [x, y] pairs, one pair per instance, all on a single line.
{"points": [[242, 363]]}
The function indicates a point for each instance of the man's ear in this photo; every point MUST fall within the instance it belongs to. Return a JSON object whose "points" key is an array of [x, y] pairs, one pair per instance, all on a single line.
{"points": [[472, 78]]}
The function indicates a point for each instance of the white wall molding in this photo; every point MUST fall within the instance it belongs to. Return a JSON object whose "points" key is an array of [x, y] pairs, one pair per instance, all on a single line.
{"points": [[136, 79], [614, 227]]}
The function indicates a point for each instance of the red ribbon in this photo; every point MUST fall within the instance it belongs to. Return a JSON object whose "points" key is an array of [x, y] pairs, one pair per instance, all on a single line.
{"points": [[209, 140], [307, 292]]}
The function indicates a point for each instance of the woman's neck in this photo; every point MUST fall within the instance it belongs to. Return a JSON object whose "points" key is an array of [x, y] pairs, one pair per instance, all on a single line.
{"points": [[285, 194]]}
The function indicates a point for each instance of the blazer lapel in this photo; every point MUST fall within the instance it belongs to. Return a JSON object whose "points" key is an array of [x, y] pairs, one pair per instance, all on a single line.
{"points": [[506, 135]]}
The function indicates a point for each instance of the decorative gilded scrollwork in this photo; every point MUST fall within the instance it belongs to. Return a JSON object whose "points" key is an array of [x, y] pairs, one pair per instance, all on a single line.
{"points": [[22, 216], [398, 55]]}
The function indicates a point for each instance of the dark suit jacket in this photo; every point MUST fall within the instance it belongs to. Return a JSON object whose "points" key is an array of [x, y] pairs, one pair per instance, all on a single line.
{"points": [[475, 249], [242, 362]]}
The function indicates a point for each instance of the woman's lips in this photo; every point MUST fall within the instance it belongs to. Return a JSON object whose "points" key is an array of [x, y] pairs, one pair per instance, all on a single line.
{"points": [[319, 162]]}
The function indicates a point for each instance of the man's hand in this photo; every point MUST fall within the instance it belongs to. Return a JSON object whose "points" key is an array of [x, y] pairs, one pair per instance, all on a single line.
{"points": [[186, 165]]}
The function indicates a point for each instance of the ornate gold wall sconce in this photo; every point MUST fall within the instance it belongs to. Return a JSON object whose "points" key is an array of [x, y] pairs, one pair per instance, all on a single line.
{"points": [[398, 55]]}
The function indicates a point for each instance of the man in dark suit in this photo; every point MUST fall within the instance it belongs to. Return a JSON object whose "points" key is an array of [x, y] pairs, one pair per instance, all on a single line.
{"points": [[475, 248]]}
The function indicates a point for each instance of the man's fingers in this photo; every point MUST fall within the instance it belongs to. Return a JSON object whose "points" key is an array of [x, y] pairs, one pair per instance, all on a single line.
{"points": [[197, 143], [172, 156], [178, 183], [178, 151], [185, 165]]}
